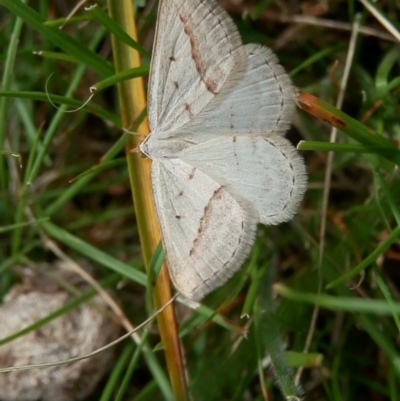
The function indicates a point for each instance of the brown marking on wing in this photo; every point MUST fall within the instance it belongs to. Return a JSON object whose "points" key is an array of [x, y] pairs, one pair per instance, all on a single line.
{"points": [[176, 84], [234, 150], [204, 221], [189, 110], [191, 175], [172, 58], [201, 67], [217, 194], [180, 193]]}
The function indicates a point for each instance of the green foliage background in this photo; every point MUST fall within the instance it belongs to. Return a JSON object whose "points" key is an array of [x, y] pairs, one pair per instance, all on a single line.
{"points": [[73, 187]]}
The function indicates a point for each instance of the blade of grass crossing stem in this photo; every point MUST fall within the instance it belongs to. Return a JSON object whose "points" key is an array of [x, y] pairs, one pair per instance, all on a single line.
{"points": [[156, 264]]}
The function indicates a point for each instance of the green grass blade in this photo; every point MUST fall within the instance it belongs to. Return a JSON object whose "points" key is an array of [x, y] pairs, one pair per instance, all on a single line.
{"points": [[101, 16], [59, 38], [94, 254]]}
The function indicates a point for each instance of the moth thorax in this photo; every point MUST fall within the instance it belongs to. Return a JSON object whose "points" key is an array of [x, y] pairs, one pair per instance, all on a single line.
{"points": [[165, 147]]}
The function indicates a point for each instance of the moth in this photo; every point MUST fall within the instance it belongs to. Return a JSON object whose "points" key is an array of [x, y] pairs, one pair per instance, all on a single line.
{"points": [[218, 112]]}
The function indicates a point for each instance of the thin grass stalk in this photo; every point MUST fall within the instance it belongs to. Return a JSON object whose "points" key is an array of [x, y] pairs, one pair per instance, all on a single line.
{"points": [[132, 102]]}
